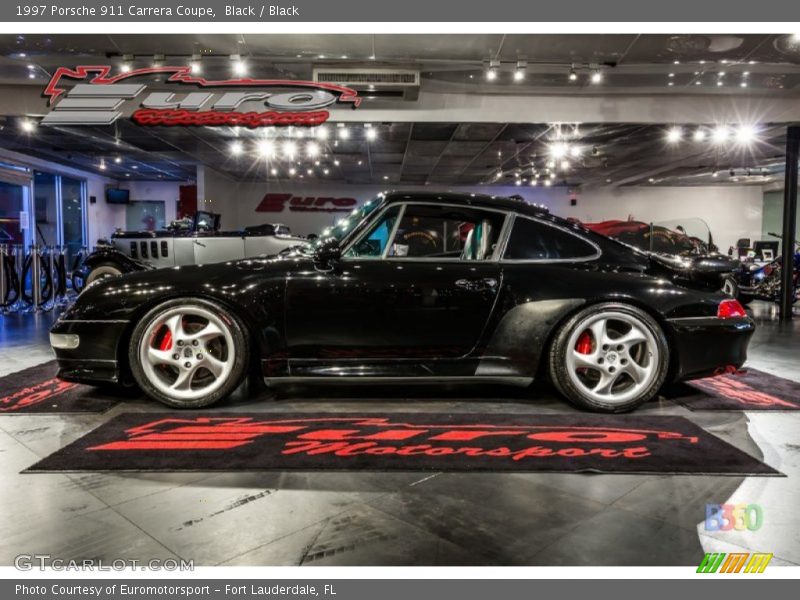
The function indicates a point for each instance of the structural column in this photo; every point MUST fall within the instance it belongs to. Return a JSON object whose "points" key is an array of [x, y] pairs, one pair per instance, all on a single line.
{"points": [[789, 221]]}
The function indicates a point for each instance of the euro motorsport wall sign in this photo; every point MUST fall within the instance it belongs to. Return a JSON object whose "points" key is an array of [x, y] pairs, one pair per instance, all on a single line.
{"points": [[99, 96]]}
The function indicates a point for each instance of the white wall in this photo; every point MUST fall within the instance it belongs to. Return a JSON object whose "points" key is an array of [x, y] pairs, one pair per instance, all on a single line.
{"points": [[730, 212]]}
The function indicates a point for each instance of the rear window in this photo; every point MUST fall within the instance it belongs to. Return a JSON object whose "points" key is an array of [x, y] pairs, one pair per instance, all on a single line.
{"points": [[532, 240]]}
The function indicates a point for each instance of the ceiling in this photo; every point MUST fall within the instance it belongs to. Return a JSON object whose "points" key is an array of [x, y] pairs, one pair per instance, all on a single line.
{"points": [[627, 61], [446, 153], [416, 153]]}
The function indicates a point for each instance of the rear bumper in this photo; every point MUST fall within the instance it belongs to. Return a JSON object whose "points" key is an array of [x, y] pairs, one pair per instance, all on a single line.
{"points": [[707, 345], [94, 360]]}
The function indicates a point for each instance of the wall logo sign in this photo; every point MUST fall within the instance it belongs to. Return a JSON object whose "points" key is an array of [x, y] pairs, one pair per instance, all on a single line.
{"points": [[280, 202], [97, 98]]}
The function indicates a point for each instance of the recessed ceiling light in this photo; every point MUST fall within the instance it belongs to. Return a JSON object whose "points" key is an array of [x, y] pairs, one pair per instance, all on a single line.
{"points": [[674, 134]]}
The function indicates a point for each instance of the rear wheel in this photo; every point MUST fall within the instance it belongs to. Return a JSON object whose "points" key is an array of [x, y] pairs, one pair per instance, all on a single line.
{"points": [[188, 353], [609, 358]]}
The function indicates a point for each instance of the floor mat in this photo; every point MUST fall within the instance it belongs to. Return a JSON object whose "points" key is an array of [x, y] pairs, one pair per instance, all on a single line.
{"points": [[746, 389], [402, 441], [36, 390]]}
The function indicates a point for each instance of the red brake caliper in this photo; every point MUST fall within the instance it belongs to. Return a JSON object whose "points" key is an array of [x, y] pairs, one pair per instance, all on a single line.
{"points": [[584, 344], [166, 341]]}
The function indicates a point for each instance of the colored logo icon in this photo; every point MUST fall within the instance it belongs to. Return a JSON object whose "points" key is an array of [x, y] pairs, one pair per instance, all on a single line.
{"points": [[734, 562]]}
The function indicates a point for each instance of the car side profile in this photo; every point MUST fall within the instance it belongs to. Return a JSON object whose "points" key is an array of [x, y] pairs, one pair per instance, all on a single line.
{"points": [[421, 287]]}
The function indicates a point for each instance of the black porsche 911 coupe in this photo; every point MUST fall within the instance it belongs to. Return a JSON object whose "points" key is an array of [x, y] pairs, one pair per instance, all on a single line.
{"points": [[418, 287]]}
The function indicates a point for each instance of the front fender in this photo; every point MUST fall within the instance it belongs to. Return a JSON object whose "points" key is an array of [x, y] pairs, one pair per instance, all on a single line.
{"points": [[112, 255]]}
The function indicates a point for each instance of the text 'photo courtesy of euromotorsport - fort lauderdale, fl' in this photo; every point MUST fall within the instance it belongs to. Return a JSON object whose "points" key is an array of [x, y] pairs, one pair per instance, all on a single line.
{"points": [[481, 304]]}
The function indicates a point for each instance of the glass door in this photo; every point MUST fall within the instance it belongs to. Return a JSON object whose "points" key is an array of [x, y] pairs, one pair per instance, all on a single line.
{"points": [[72, 221], [11, 205]]}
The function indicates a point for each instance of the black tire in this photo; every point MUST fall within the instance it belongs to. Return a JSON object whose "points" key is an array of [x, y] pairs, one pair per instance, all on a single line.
{"points": [[101, 271], [241, 347], [557, 359]]}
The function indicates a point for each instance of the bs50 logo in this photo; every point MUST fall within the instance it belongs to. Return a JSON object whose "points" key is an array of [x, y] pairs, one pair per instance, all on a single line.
{"points": [[97, 98], [739, 517]]}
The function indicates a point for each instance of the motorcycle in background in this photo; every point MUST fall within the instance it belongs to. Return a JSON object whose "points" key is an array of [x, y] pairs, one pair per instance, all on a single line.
{"points": [[763, 282]]}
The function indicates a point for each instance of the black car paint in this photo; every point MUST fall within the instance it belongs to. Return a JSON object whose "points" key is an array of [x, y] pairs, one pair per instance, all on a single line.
{"points": [[398, 317]]}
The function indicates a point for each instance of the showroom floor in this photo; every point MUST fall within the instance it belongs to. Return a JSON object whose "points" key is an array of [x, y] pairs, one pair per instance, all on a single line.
{"points": [[370, 518]]}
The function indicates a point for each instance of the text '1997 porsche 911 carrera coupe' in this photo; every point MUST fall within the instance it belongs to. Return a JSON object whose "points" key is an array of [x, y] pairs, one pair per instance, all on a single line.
{"points": [[421, 287]]}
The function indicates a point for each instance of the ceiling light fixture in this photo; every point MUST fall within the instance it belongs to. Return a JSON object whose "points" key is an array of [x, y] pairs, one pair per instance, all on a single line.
{"points": [[372, 134], [519, 73], [699, 135], [312, 150], [720, 134], [27, 125], [265, 148], [573, 75], [118, 159], [674, 135], [238, 65], [236, 148], [746, 134], [491, 72], [597, 77], [558, 150]]}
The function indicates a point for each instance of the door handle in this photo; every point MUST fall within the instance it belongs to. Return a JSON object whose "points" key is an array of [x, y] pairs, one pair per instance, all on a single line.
{"points": [[487, 283]]}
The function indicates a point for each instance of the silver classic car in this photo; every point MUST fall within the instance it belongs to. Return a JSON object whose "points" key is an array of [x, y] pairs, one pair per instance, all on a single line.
{"points": [[195, 240]]}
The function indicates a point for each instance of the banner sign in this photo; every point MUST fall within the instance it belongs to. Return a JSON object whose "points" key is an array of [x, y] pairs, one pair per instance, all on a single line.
{"points": [[98, 95]]}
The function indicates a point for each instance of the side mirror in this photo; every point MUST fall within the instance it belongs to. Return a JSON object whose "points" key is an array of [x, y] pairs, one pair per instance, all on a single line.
{"points": [[328, 250]]}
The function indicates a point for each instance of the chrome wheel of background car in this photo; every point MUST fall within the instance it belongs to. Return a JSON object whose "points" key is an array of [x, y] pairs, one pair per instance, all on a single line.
{"points": [[612, 357], [730, 287], [187, 352]]}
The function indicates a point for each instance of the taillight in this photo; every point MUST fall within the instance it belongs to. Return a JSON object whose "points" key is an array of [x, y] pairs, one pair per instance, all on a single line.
{"points": [[730, 309]]}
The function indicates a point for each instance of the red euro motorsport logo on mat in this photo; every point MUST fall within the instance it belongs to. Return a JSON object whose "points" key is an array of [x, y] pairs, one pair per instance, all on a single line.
{"points": [[381, 436], [734, 562], [97, 98]]}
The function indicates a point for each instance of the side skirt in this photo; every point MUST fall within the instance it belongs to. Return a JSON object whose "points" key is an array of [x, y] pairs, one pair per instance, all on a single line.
{"points": [[350, 380]]}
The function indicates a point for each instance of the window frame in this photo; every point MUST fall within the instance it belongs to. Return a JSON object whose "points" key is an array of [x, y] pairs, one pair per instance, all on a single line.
{"points": [[502, 237], [597, 251]]}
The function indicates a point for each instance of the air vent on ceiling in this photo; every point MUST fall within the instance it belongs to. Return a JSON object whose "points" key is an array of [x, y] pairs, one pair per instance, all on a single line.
{"points": [[402, 83]]}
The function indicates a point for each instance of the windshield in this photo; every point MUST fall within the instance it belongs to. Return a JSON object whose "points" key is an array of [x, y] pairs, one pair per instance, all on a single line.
{"points": [[347, 224]]}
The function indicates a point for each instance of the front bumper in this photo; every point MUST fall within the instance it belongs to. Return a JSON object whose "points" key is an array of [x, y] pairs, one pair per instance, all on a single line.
{"points": [[705, 346], [88, 351]]}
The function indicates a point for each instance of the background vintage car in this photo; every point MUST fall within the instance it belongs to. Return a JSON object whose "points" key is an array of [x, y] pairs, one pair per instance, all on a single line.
{"points": [[191, 241]]}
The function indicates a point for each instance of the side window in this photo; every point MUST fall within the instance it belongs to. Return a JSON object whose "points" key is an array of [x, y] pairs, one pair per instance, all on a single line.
{"points": [[431, 231], [531, 240], [374, 241]]}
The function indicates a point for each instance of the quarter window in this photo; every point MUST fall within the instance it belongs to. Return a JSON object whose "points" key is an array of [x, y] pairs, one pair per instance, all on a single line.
{"points": [[532, 240]]}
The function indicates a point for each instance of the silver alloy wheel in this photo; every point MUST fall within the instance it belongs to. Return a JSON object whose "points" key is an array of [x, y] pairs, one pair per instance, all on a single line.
{"points": [[620, 363], [187, 352]]}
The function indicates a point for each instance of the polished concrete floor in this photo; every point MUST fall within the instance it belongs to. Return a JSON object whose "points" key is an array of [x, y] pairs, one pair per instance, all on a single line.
{"points": [[358, 518]]}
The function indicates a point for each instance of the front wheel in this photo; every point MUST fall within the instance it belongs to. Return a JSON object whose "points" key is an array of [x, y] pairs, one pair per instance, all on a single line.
{"points": [[609, 358], [188, 353], [101, 271]]}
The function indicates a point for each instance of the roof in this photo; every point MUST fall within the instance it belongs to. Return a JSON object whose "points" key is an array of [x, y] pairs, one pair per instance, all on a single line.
{"points": [[470, 199]]}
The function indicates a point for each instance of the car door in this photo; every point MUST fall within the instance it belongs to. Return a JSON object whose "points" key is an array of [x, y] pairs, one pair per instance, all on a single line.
{"points": [[214, 248], [418, 285]]}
